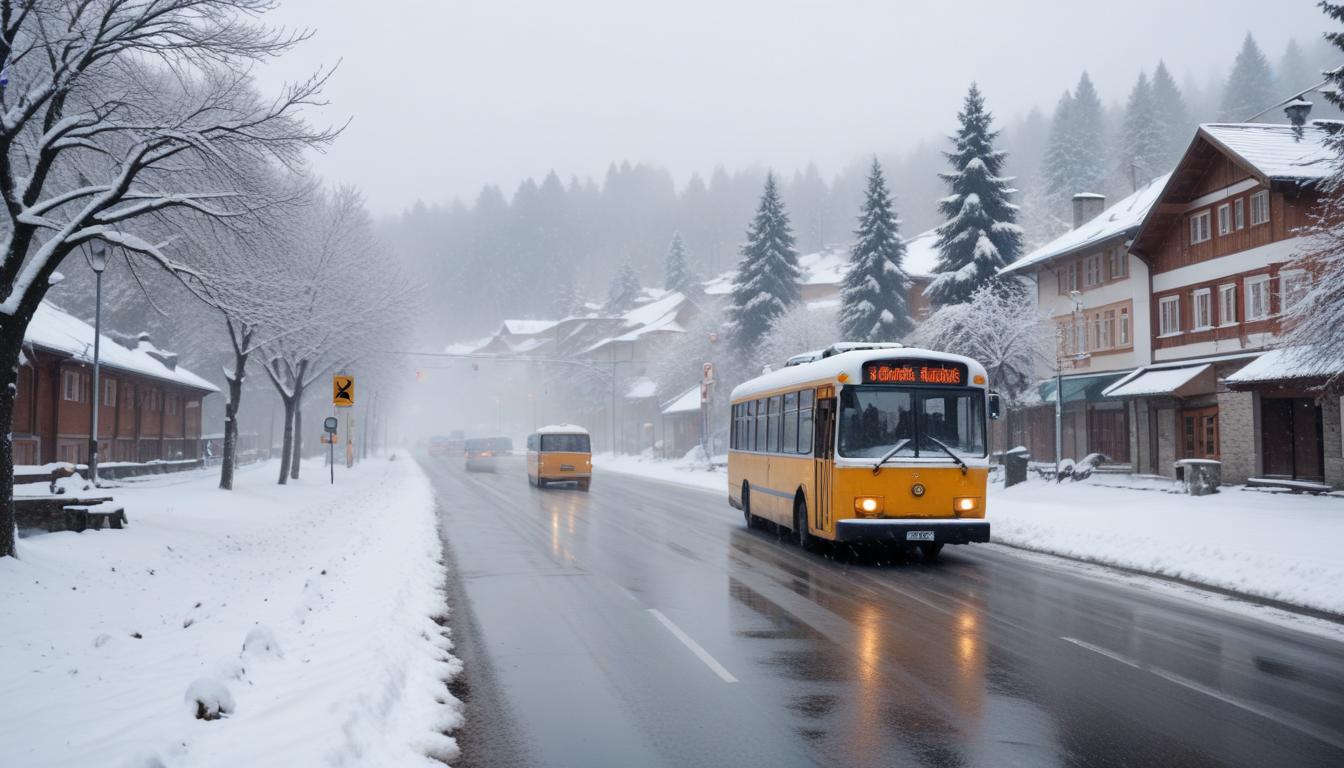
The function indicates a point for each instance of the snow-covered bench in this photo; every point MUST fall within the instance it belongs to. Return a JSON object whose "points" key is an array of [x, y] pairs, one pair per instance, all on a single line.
{"points": [[65, 513], [95, 516], [1296, 486]]}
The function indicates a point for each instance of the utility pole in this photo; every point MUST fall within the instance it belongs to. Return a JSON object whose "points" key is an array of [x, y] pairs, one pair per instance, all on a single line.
{"points": [[98, 261]]}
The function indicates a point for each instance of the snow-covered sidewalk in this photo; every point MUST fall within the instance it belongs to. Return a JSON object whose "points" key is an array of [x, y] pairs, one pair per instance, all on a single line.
{"points": [[307, 610], [1270, 545]]}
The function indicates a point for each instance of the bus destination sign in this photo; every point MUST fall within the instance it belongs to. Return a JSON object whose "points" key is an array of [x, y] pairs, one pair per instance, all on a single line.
{"points": [[935, 372]]}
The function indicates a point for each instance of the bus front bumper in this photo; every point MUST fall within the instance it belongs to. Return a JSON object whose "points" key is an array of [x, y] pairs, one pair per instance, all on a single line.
{"points": [[952, 531]]}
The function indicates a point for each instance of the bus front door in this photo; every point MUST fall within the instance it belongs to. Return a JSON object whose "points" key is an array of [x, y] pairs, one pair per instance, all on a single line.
{"points": [[824, 466]]}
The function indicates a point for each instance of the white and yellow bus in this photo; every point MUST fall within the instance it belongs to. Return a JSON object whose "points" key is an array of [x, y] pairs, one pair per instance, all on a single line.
{"points": [[560, 453], [865, 442]]}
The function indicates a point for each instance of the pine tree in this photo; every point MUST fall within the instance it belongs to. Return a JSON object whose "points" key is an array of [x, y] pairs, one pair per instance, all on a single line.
{"points": [[569, 300], [678, 272], [1295, 73], [767, 273], [1140, 137], [873, 305], [980, 235], [624, 290], [1175, 129], [1250, 86], [1075, 159]]}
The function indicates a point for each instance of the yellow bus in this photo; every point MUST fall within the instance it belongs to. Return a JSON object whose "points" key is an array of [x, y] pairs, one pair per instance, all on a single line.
{"points": [[560, 453], [865, 442]]}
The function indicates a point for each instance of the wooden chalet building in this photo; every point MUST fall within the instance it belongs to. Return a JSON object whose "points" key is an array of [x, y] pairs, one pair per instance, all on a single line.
{"points": [[150, 411], [1218, 244]]}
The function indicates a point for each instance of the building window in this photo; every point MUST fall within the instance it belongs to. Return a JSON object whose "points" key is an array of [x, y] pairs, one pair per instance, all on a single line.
{"points": [[1227, 304], [1257, 297], [1169, 316], [1240, 215], [1124, 326], [70, 388], [1203, 303], [1199, 228], [170, 405], [1293, 287], [1119, 263], [1068, 278], [1224, 219], [1107, 334], [109, 392], [1092, 271], [1259, 207]]}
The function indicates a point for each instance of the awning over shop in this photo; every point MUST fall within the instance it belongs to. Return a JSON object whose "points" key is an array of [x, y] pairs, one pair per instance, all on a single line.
{"points": [[1284, 365], [1079, 389], [1165, 382]]}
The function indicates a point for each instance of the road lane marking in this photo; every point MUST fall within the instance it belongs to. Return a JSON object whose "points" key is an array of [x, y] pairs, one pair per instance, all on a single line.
{"points": [[701, 653], [1285, 719]]}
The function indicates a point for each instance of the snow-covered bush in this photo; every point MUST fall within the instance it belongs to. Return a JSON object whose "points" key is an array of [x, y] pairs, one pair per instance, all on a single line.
{"points": [[801, 329], [209, 699], [260, 643]]}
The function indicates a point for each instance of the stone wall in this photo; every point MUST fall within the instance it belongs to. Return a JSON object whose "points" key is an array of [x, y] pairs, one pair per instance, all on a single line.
{"points": [[1166, 441], [1238, 438], [1332, 432]]}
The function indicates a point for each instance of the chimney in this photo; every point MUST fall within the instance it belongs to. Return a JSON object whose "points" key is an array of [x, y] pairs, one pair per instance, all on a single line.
{"points": [[1086, 207]]}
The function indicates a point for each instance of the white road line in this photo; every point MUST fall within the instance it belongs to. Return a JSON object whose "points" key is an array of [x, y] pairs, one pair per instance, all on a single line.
{"points": [[1285, 719], [686, 640]]}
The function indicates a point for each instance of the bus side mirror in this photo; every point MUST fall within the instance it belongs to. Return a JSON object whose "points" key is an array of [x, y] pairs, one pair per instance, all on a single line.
{"points": [[995, 406]]}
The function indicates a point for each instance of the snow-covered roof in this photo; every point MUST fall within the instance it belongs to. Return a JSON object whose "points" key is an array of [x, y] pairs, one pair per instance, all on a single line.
{"points": [[1276, 151], [55, 330], [642, 389], [562, 429], [526, 327], [848, 363], [1116, 221], [686, 402], [466, 347], [1283, 364], [1165, 381], [826, 267], [659, 315], [921, 254]]}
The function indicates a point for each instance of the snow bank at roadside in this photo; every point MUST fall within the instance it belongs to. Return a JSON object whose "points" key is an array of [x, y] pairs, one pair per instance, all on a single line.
{"points": [[307, 610], [686, 471], [1270, 545]]}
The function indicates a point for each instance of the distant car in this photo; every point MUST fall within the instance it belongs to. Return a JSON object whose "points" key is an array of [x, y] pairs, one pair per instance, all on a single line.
{"points": [[481, 453]]}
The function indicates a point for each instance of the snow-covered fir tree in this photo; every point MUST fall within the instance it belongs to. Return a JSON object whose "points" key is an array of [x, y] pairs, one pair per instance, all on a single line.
{"points": [[873, 305], [1075, 158], [767, 273], [1174, 126], [1315, 324], [1141, 152], [1250, 85], [568, 300], [678, 275], [624, 290], [1295, 73], [980, 234]]}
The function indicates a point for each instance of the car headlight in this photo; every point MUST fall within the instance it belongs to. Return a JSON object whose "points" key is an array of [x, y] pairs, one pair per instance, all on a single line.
{"points": [[964, 504], [868, 506]]}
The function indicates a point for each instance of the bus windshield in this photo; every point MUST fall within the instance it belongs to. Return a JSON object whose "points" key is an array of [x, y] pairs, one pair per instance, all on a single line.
{"points": [[874, 420], [565, 443]]}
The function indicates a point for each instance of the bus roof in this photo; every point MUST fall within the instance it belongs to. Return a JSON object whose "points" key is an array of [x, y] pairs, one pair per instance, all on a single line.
{"points": [[562, 429], [825, 370]]}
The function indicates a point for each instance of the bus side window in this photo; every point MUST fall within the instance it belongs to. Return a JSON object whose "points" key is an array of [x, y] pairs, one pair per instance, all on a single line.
{"points": [[790, 444], [760, 444], [805, 422]]}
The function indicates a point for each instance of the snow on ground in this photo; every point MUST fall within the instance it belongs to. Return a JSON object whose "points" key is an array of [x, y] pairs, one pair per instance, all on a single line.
{"points": [[691, 470], [1277, 546], [302, 615], [1271, 545]]}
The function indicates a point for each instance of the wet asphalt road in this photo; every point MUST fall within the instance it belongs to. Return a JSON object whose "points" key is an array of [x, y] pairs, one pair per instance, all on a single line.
{"points": [[643, 625]]}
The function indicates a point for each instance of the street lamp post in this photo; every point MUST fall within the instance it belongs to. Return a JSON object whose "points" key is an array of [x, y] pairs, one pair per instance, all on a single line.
{"points": [[98, 261]]}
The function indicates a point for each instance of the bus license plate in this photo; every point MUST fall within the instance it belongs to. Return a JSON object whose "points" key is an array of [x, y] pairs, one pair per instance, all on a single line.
{"points": [[566, 467], [919, 535]]}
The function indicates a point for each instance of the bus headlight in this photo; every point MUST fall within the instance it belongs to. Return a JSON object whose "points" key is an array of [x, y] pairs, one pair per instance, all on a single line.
{"points": [[868, 506], [965, 504]]}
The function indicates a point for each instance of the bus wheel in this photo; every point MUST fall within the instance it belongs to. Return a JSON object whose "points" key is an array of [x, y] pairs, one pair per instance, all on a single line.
{"points": [[805, 538], [752, 520], [930, 550]]}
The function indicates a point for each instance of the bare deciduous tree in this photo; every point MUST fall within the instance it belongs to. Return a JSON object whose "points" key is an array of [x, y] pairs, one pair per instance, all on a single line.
{"points": [[115, 110]]}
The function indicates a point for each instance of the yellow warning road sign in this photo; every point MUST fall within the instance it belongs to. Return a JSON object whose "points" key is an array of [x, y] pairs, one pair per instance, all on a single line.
{"points": [[343, 390]]}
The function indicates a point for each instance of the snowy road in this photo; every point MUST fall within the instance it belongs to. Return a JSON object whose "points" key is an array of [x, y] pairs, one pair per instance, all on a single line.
{"points": [[643, 624]]}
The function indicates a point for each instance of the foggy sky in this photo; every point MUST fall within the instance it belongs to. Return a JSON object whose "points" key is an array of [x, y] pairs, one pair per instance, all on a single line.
{"points": [[447, 95]]}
